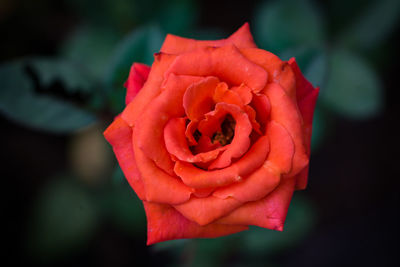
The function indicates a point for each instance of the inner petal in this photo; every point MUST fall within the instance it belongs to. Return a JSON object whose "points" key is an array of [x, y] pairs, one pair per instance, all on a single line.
{"points": [[198, 100], [176, 143], [240, 141]]}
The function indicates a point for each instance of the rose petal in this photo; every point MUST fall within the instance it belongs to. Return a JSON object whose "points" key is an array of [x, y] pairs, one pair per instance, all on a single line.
{"points": [[165, 223], [198, 178], [240, 142], [160, 187], [223, 94], [206, 145], [205, 210], [269, 212], [203, 192], [226, 63], [262, 107], [278, 71], [302, 179], [150, 125], [306, 99], [190, 129], [282, 148], [137, 77], [303, 87], [251, 113], [252, 188], [176, 144], [119, 135], [150, 89], [198, 100], [173, 44], [285, 112], [306, 107], [244, 92]]}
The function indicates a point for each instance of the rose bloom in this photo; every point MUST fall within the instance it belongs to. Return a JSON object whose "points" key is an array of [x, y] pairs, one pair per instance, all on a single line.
{"points": [[215, 136]]}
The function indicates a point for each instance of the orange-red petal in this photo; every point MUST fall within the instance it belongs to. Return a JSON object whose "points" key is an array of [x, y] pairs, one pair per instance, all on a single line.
{"points": [[137, 77], [226, 63], [150, 125], [241, 141], [306, 99], [254, 187], [173, 44], [198, 98], [282, 148], [176, 143], [269, 212], [285, 112], [278, 71], [150, 90], [160, 187], [208, 209], [119, 135], [244, 93], [165, 223], [198, 178], [262, 107]]}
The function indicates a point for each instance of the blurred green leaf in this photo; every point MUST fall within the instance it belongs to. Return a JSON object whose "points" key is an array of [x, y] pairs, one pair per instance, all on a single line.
{"points": [[64, 219], [20, 102], [374, 25], [50, 70], [353, 88], [317, 69], [283, 24], [138, 46], [174, 16], [126, 209], [91, 47]]}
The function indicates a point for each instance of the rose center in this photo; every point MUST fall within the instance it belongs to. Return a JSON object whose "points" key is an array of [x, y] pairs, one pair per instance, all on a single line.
{"points": [[227, 132]]}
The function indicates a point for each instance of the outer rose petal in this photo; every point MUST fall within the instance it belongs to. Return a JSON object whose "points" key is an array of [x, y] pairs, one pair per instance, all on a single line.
{"points": [[173, 44], [282, 148], [256, 186], [150, 89], [137, 77], [160, 187], [226, 63], [165, 223], [119, 134], [205, 210], [306, 99], [285, 112], [269, 212], [278, 71]]}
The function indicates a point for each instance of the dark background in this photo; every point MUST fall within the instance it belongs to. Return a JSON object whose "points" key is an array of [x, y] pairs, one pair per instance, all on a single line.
{"points": [[66, 202]]}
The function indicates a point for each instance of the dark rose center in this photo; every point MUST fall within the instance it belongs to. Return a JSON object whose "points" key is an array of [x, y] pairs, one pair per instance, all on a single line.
{"points": [[227, 132]]}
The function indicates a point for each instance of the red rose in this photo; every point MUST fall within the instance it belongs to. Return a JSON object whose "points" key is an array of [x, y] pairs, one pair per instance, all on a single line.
{"points": [[215, 136]]}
